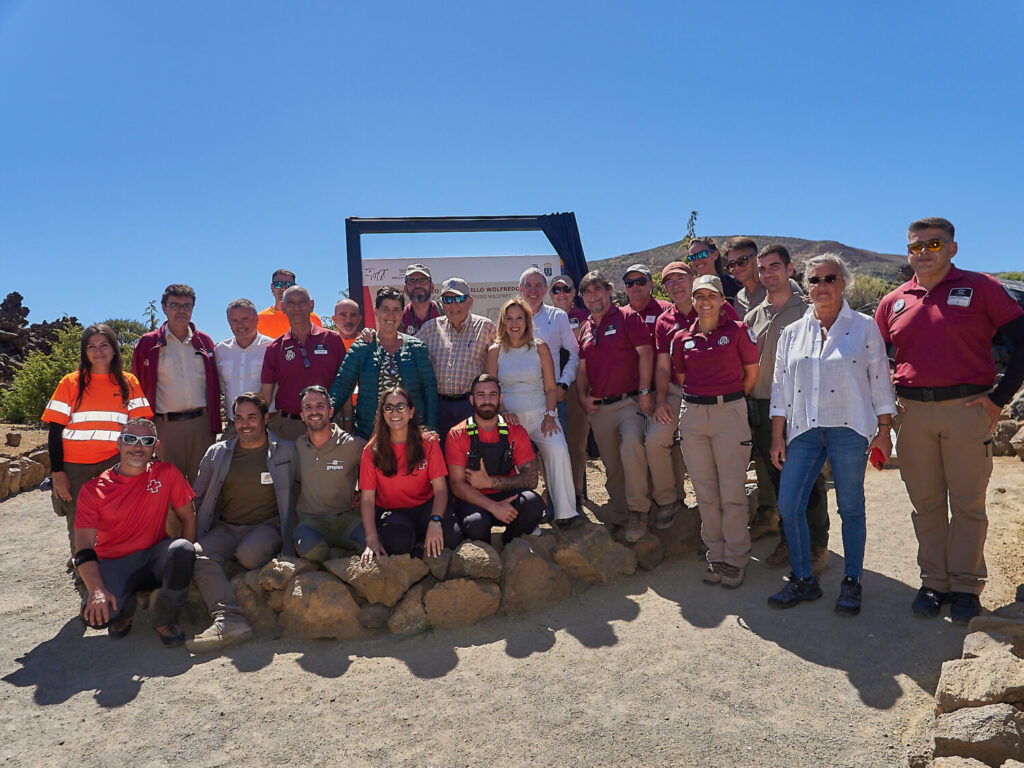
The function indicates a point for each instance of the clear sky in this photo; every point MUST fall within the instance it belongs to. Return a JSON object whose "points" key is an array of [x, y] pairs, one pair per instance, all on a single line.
{"points": [[144, 143]]}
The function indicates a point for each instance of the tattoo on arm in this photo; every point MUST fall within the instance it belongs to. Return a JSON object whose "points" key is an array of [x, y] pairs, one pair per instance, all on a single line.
{"points": [[527, 478]]}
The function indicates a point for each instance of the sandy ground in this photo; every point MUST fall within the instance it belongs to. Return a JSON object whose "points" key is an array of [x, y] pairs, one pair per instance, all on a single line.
{"points": [[656, 669]]}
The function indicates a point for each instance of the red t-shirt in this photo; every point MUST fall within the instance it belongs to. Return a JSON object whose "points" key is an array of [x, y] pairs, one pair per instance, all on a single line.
{"points": [[609, 348], [671, 321], [293, 366], [943, 337], [458, 443], [402, 490], [130, 513], [649, 314], [713, 363]]}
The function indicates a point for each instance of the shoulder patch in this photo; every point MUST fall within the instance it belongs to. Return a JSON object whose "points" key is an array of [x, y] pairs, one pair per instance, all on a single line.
{"points": [[898, 305]]}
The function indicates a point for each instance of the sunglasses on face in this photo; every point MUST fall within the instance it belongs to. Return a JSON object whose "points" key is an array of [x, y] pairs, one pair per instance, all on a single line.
{"points": [[629, 282], [283, 283], [453, 299], [823, 278], [698, 255], [739, 261], [392, 407], [560, 289], [147, 440], [933, 245]]}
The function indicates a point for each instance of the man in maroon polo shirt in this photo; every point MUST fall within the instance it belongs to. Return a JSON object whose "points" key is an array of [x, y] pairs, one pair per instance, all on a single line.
{"points": [[638, 282], [304, 355], [614, 380], [939, 326]]}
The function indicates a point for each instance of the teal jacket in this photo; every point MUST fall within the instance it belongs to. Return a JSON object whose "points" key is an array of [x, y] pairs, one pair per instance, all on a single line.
{"points": [[362, 366]]}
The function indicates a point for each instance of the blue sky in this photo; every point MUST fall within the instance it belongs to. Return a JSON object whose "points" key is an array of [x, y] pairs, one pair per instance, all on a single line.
{"points": [[210, 142]]}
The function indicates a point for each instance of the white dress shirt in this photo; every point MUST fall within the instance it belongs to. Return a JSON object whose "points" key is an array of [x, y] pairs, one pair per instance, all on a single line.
{"points": [[551, 325], [841, 381], [239, 369]]}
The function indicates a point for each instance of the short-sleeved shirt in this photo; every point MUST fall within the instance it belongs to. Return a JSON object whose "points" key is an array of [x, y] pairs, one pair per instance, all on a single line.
{"points": [[458, 445], [609, 349], [713, 363], [671, 321], [130, 513], [274, 322], [239, 367], [577, 316], [293, 366], [404, 489], [411, 324], [649, 314], [767, 323], [943, 337], [247, 496], [91, 429], [458, 357], [328, 474]]}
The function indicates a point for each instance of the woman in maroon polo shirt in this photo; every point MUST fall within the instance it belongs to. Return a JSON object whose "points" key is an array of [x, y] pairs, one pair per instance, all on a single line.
{"points": [[715, 362]]}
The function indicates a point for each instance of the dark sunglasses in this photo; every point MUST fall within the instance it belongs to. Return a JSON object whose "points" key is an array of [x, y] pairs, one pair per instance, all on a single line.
{"points": [[698, 255], [391, 407], [629, 282], [454, 299], [147, 440], [739, 261], [283, 283], [560, 289], [933, 245], [826, 278]]}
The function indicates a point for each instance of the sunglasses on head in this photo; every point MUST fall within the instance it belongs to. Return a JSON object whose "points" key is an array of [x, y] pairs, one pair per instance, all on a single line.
{"points": [[629, 282], [454, 299], [739, 261], [823, 278], [933, 245], [561, 289], [392, 407], [698, 255], [147, 440], [283, 283]]}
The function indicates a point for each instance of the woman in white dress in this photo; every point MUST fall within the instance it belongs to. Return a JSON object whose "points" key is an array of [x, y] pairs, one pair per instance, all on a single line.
{"points": [[524, 367]]}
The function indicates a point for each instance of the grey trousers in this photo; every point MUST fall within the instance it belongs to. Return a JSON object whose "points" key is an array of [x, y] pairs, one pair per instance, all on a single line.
{"points": [[252, 545]]}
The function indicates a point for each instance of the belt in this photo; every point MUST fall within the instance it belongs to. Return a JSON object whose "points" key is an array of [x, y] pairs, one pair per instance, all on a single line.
{"points": [[616, 398], [455, 398], [938, 394], [287, 415], [718, 400], [182, 415]]}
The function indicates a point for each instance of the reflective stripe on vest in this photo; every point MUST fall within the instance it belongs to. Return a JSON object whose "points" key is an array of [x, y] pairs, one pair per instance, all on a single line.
{"points": [[59, 407], [114, 416], [91, 434]]}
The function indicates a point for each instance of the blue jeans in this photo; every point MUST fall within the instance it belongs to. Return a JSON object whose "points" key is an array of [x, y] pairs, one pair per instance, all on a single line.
{"points": [[805, 456]]}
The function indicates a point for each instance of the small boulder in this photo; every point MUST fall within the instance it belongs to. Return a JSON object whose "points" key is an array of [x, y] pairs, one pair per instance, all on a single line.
{"points": [[374, 615], [528, 579], [649, 551], [587, 552], [5, 480], [42, 456], [409, 616], [544, 544], [1002, 436], [990, 734], [253, 602], [279, 571], [32, 473], [439, 565], [475, 560], [275, 600], [993, 678], [317, 605], [461, 602], [682, 538], [13, 478], [384, 580], [1017, 443]]}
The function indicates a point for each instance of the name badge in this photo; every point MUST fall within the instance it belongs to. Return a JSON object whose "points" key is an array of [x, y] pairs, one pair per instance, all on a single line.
{"points": [[650, 319], [960, 297], [574, 322], [610, 330], [320, 350], [266, 479]]}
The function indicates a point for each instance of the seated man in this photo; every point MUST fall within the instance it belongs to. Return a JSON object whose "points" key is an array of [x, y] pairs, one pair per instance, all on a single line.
{"points": [[121, 542], [492, 469], [328, 467], [244, 491]]}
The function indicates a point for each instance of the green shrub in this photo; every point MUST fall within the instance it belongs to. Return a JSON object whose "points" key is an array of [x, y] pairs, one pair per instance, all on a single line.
{"points": [[866, 291], [128, 332], [38, 375]]}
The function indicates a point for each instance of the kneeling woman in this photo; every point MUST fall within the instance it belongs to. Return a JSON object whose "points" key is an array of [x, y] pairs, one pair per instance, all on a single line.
{"points": [[402, 484]]}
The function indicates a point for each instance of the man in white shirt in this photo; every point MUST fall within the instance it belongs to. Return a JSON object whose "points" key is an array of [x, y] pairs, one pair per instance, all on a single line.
{"points": [[240, 358]]}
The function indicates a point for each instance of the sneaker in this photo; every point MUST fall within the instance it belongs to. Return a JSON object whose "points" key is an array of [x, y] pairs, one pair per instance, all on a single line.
{"points": [[712, 575], [796, 591], [928, 603], [848, 602], [819, 559], [636, 526], [222, 633], [765, 523], [779, 557], [569, 523], [732, 576], [965, 606], [664, 516]]}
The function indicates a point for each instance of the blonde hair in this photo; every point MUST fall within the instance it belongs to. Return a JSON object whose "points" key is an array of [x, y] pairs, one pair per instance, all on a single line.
{"points": [[503, 337]]}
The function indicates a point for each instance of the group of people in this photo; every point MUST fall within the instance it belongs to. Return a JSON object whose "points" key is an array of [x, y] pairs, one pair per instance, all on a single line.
{"points": [[437, 424]]}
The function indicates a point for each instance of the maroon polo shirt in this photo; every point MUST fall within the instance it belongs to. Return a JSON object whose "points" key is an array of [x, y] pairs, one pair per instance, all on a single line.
{"points": [[609, 348], [713, 362], [943, 337], [649, 314], [411, 324], [293, 366], [671, 321], [577, 316]]}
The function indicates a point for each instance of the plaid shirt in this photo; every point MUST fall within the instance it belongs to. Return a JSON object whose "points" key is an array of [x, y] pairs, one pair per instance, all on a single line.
{"points": [[457, 357]]}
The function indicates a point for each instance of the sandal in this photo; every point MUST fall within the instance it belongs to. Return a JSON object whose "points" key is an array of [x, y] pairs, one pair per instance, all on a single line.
{"points": [[171, 635], [120, 628]]}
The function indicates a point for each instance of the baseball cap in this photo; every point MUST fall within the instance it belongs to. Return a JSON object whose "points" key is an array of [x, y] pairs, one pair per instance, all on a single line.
{"points": [[642, 268], [564, 279], [455, 285], [711, 282], [412, 269], [675, 266]]}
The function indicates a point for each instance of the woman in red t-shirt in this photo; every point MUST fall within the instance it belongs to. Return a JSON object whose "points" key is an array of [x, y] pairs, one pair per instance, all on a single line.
{"points": [[404, 494]]}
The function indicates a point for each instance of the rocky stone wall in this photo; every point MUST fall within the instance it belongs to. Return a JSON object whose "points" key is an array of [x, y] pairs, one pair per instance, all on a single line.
{"points": [[18, 338]]}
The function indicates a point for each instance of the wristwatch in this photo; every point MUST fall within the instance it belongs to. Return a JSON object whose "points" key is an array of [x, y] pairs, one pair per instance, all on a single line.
{"points": [[435, 519], [553, 414], [645, 391], [564, 386]]}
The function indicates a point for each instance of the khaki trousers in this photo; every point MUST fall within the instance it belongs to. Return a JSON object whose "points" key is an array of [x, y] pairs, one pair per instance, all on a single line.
{"points": [[619, 433], [576, 437], [716, 446], [252, 545], [945, 453], [664, 459], [184, 443], [287, 428]]}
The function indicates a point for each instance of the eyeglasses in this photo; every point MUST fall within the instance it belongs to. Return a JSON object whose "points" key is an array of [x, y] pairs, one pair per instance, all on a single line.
{"points": [[392, 407], [560, 289], [147, 440], [933, 245], [669, 281], [282, 283], [629, 282], [176, 307], [417, 281], [739, 261], [826, 278], [454, 299], [698, 255]]}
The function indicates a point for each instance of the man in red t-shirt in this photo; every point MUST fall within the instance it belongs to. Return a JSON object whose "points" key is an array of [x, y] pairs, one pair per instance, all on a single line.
{"points": [[492, 469], [121, 541]]}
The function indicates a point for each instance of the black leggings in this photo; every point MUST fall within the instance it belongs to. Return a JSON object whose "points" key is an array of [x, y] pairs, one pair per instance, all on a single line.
{"points": [[402, 531], [476, 522]]}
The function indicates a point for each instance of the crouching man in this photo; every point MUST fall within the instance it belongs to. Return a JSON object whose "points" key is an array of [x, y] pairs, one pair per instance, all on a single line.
{"points": [[244, 492], [121, 541]]}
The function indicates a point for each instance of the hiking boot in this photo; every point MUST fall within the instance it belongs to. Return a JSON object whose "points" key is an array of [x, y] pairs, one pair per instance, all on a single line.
{"points": [[848, 602], [664, 516], [223, 632], [712, 575], [819, 559], [765, 523], [965, 606], [779, 557], [570, 522], [796, 591], [636, 526], [732, 576], [928, 603]]}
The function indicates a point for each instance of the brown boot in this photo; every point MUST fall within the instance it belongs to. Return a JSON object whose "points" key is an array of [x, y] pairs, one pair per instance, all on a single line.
{"points": [[636, 526], [779, 557], [765, 523], [819, 559]]}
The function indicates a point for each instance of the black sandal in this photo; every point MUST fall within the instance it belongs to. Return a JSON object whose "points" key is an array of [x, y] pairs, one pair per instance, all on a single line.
{"points": [[175, 637], [120, 628]]}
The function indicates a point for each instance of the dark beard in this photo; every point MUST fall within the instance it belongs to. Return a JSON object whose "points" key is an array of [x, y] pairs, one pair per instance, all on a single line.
{"points": [[419, 295], [485, 412]]}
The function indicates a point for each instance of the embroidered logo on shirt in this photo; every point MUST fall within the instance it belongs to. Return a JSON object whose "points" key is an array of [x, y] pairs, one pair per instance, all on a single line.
{"points": [[689, 344], [898, 305], [723, 340], [289, 355], [410, 329], [960, 297], [154, 486], [335, 464]]}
